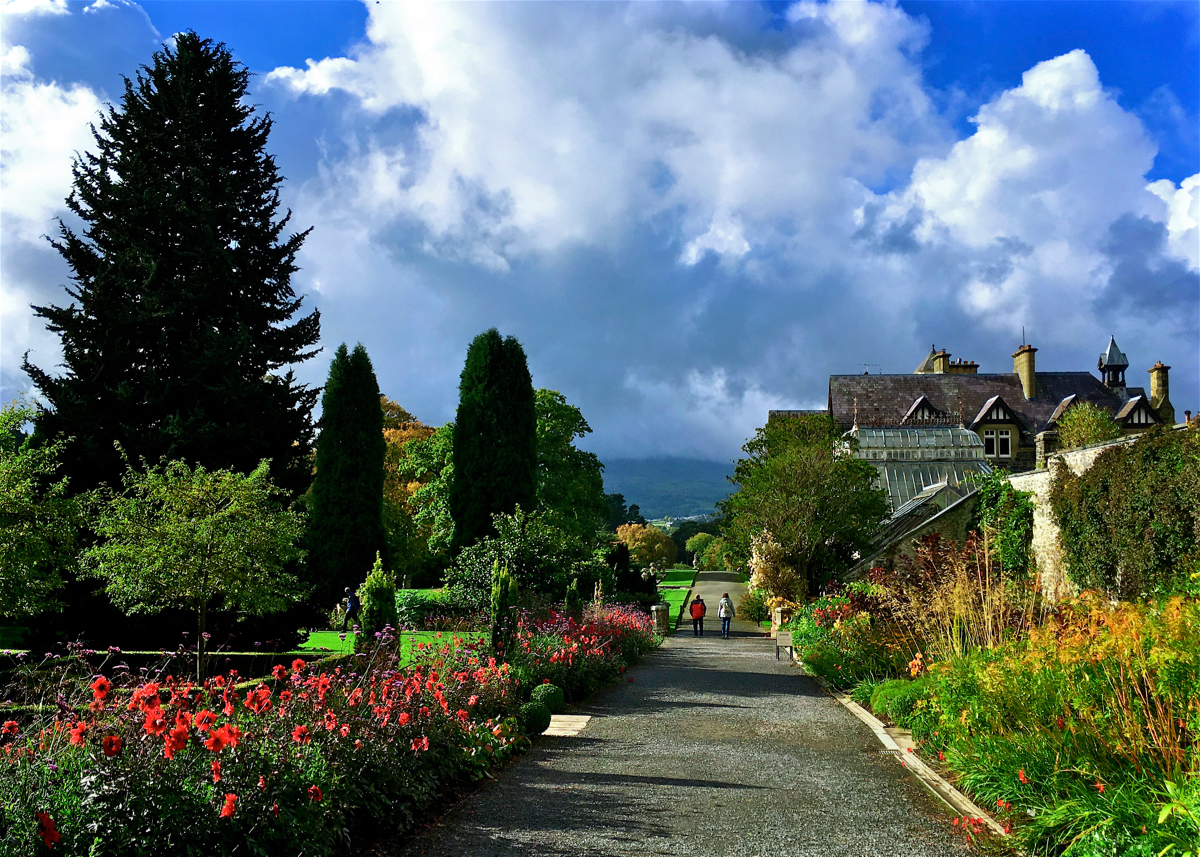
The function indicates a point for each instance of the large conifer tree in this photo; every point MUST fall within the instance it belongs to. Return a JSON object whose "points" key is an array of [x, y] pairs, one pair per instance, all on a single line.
{"points": [[495, 437], [346, 508], [182, 313]]}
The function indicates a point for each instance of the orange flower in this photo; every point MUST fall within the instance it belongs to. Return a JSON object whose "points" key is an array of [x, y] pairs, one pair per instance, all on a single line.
{"points": [[77, 733], [1021, 776], [1100, 787], [111, 745], [230, 805], [11, 727]]}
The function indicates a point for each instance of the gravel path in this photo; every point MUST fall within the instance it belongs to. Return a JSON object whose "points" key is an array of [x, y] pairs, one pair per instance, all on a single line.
{"points": [[714, 748]]}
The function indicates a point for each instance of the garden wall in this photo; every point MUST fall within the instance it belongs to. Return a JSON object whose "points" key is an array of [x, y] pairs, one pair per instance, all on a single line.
{"points": [[1046, 548]]}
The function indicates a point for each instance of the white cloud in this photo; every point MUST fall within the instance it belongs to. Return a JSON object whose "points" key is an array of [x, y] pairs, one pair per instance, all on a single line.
{"points": [[41, 127], [1183, 216], [542, 132], [33, 7]]}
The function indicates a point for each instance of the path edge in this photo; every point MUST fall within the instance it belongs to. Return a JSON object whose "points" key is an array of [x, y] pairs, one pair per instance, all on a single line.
{"points": [[931, 779]]}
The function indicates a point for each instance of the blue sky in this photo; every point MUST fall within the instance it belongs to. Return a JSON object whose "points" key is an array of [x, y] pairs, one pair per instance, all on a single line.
{"points": [[689, 213]]}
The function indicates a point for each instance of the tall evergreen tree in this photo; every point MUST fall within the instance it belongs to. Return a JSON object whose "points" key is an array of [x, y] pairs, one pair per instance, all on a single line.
{"points": [[495, 437], [346, 507], [182, 308]]}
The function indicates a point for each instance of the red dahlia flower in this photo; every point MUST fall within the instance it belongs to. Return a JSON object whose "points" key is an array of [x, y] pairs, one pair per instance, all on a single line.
{"points": [[280, 672], [111, 745], [314, 794], [100, 688], [300, 734], [204, 719], [230, 805], [298, 664], [216, 771], [77, 733], [177, 739], [46, 830], [11, 727]]}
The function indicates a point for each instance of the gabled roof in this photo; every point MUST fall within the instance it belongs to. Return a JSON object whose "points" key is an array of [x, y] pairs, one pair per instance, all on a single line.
{"points": [[923, 409], [1127, 414], [1061, 409], [883, 400], [1113, 357], [988, 412]]}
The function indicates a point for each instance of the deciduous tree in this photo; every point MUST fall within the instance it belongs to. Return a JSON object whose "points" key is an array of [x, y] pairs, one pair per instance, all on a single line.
{"points": [[1086, 423], [570, 487], [202, 539], [39, 520], [647, 544], [799, 485]]}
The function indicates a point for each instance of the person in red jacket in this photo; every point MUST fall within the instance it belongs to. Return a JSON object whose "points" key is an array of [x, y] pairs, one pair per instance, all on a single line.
{"points": [[698, 611]]}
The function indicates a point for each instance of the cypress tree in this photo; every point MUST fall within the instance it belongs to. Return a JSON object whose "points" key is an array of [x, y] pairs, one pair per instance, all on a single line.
{"points": [[495, 438], [182, 305], [346, 506]]}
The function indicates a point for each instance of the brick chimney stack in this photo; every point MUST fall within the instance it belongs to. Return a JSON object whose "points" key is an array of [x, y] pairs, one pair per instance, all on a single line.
{"points": [[1023, 366], [941, 362], [1160, 398]]}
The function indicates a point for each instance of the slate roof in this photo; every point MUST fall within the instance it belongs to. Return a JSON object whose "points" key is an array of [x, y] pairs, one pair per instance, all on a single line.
{"points": [[883, 400]]}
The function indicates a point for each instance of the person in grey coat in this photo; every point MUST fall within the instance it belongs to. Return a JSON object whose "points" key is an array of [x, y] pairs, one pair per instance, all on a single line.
{"points": [[725, 612]]}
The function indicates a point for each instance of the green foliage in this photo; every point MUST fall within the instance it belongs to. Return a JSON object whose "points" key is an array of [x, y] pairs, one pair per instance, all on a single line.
{"points": [[618, 514], [1005, 516], [753, 607], [39, 521], [196, 538], [535, 718], [430, 462], [648, 545], [699, 543], [181, 313], [542, 558], [548, 695], [1085, 423], [495, 438], [570, 490], [345, 524], [797, 484], [573, 601], [378, 597], [1130, 524], [505, 595], [686, 530]]}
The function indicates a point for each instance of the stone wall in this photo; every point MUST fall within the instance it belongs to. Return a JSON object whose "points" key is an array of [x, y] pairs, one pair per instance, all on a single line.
{"points": [[950, 523], [1047, 547]]}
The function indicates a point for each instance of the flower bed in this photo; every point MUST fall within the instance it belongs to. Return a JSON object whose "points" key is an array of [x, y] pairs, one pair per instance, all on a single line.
{"points": [[297, 761]]}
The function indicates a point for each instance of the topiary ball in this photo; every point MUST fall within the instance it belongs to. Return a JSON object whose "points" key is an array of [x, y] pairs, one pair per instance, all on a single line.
{"points": [[548, 695], [535, 717]]}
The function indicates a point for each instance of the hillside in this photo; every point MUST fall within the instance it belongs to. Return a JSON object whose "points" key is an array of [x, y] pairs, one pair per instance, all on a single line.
{"points": [[678, 487]]}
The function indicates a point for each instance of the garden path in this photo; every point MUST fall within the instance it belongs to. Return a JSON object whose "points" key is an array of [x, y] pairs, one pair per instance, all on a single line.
{"points": [[712, 748]]}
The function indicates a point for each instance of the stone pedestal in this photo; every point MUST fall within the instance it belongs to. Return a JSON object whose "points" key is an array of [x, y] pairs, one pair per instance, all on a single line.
{"points": [[662, 618], [780, 616]]}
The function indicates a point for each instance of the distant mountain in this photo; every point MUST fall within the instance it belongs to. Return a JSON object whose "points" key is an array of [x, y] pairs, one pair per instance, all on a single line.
{"points": [[675, 487]]}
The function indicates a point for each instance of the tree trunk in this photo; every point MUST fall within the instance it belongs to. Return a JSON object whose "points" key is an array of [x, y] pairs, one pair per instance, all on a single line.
{"points": [[200, 646]]}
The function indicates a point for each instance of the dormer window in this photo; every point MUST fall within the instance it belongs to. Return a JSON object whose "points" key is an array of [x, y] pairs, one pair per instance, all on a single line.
{"points": [[997, 443]]}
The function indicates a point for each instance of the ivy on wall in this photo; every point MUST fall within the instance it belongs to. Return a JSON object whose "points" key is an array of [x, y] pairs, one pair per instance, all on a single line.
{"points": [[1131, 523], [1004, 516]]}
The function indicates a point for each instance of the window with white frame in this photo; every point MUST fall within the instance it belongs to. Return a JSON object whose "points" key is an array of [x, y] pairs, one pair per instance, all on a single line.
{"points": [[1004, 443]]}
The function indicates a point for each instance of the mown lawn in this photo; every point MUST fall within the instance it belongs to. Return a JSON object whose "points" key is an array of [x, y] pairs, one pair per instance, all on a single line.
{"points": [[674, 599], [679, 577], [328, 640]]}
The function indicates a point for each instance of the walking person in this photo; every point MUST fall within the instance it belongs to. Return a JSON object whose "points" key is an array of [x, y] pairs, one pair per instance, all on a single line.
{"points": [[352, 608], [725, 611], [699, 608]]}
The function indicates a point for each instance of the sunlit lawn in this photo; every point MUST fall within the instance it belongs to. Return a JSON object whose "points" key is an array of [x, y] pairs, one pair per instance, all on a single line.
{"points": [[674, 599], [679, 577], [329, 641]]}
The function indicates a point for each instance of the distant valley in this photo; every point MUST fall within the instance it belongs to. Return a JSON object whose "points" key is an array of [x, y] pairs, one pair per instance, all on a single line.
{"points": [[674, 487]]}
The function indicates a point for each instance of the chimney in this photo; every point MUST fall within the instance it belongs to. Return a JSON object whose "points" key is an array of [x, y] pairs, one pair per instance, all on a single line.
{"points": [[963, 367], [1023, 366], [1160, 398], [941, 362]]}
